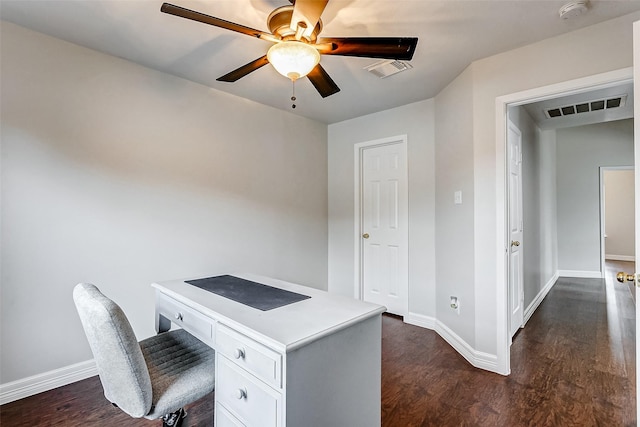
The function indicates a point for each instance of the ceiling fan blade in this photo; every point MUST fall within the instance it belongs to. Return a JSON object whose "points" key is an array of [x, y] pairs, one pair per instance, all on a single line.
{"points": [[216, 22], [322, 82], [371, 47], [307, 12], [244, 70]]}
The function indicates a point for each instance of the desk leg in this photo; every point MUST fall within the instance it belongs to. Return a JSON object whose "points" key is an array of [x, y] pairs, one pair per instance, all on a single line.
{"points": [[162, 323]]}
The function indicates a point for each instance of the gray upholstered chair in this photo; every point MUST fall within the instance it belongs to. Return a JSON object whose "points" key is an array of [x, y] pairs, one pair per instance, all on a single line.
{"points": [[153, 378]]}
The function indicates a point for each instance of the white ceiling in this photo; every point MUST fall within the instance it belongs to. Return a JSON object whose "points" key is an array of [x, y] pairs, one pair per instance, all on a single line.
{"points": [[451, 34]]}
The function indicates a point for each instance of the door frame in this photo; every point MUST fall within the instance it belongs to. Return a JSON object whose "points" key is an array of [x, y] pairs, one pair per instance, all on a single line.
{"points": [[359, 148], [571, 87], [603, 248]]}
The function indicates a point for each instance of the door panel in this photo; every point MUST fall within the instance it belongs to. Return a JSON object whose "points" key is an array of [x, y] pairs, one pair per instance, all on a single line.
{"points": [[385, 227], [516, 223]]}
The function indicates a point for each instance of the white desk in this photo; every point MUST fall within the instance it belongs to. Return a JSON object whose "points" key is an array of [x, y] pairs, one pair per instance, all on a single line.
{"points": [[313, 363]]}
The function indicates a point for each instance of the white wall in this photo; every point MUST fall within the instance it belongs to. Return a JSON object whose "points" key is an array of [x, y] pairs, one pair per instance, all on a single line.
{"points": [[466, 149], [539, 204], [581, 151], [548, 231], [454, 223], [619, 192], [417, 122], [592, 50], [119, 175]]}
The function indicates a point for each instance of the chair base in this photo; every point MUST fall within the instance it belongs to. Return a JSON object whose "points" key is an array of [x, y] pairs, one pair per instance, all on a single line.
{"points": [[174, 419]]}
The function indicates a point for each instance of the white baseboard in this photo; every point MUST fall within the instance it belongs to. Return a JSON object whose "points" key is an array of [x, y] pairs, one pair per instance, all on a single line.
{"points": [[580, 274], [620, 257], [478, 359], [46, 381], [421, 320], [539, 298]]}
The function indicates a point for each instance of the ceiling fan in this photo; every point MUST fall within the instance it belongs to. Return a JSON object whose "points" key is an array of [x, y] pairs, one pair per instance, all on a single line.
{"points": [[297, 49]]}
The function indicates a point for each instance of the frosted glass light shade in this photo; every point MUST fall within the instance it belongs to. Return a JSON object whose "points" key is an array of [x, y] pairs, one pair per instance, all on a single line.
{"points": [[293, 59]]}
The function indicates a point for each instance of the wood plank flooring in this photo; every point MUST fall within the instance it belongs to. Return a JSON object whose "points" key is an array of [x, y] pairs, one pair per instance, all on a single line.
{"points": [[572, 365]]}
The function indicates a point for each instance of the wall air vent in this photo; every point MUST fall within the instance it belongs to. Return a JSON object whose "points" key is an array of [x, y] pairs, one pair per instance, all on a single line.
{"points": [[586, 106], [387, 67]]}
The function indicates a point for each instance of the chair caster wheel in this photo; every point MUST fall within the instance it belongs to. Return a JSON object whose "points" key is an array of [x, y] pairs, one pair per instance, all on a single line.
{"points": [[174, 419]]}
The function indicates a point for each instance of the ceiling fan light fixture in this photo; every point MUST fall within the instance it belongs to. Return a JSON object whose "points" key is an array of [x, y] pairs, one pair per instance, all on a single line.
{"points": [[293, 59]]}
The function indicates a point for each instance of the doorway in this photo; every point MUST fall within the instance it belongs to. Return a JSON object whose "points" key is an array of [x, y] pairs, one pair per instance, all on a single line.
{"points": [[617, 199], [382, 239], [574, 87]]}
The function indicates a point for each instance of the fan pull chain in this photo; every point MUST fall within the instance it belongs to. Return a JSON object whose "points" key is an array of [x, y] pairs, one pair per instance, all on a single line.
{"points": [[293, 95]]}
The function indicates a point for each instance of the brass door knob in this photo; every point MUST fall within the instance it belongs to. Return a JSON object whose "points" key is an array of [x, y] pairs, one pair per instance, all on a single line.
{"points": [[365, 236], [621, 277], [515, 243]]}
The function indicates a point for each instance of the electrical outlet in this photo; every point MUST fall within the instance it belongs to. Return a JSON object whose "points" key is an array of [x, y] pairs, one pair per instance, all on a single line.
{"points": [[455, 304]]}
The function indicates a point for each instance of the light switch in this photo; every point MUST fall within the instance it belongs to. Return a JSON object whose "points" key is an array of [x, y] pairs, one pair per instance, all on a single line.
{"points": [[457, 197]]}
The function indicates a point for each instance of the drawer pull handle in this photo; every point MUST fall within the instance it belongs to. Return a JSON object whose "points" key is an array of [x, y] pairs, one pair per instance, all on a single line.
{"points": [[179, 316], [241, 393], [239, 353]]}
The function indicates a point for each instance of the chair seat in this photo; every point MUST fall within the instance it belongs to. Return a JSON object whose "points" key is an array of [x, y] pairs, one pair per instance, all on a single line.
{"points": [[181, 368]]}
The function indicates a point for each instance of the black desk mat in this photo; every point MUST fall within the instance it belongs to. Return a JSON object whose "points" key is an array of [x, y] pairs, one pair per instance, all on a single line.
{"points": [[256, 295]]}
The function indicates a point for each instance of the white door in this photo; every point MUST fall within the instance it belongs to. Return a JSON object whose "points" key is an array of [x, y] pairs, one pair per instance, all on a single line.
{"points": [[384, 225], [516, 294]]}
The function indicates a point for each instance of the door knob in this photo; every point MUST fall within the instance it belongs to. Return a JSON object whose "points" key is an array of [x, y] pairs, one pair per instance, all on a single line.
{"points": [[515, 243], [621, 277], [365, 236]]}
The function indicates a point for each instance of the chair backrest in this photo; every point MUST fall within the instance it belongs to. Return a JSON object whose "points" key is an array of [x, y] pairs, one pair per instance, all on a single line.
{"points": [[121, 366]]}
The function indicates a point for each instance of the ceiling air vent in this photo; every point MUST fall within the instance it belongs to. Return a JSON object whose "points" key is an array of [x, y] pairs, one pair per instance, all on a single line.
{"points": [[388, 67], [586, 106]]}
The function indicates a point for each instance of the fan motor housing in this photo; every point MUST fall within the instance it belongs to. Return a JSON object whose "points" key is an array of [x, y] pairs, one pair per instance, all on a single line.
{"points": [[279, 23]]}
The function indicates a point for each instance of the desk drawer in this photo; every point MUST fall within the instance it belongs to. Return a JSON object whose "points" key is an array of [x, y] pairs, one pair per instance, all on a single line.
{"points": [[265, 363], [187, 318], [224, 417], [248, 399]]}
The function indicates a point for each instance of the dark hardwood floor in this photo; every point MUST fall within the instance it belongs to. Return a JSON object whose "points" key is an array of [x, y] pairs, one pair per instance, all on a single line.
{"points": [[572, 365]]}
